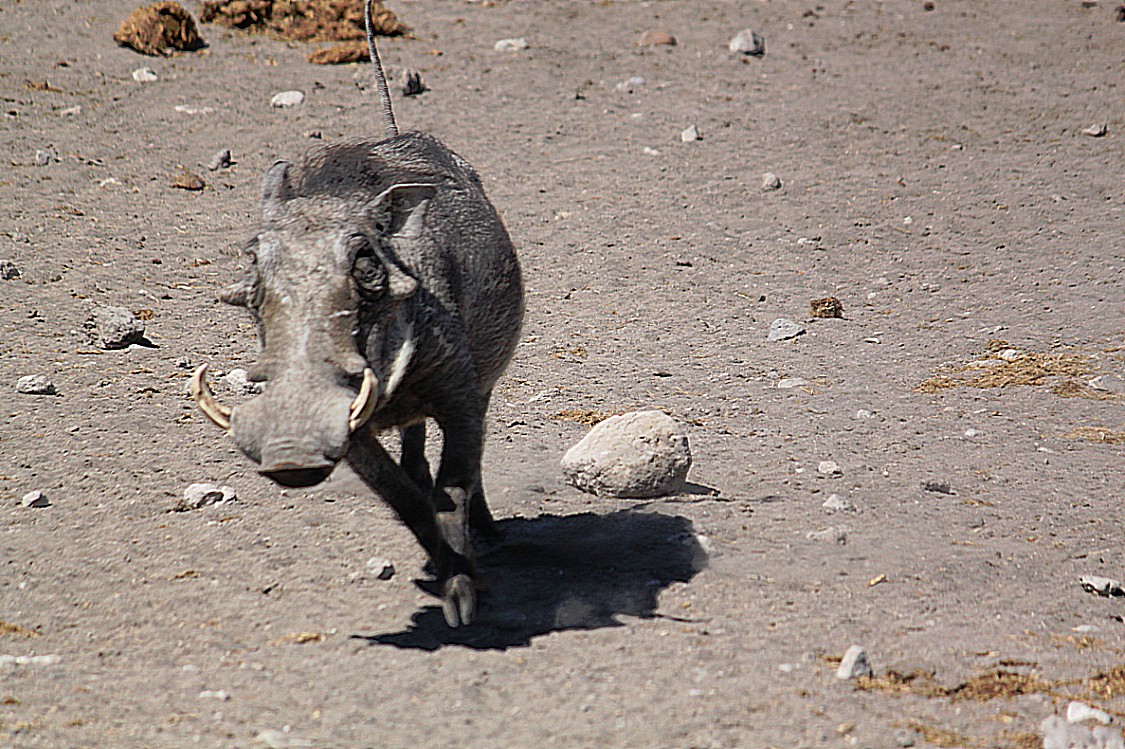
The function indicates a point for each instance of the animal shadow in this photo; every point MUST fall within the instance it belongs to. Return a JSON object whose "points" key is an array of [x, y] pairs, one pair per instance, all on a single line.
{"points": [[553, 573]]}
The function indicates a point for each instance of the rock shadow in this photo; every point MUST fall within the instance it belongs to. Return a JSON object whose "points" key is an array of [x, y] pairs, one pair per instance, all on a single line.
{"points": [[556, 573]]}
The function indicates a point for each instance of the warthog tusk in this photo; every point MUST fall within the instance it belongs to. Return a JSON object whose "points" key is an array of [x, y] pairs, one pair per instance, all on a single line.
{"points": [[364, 404], [205, 399]]}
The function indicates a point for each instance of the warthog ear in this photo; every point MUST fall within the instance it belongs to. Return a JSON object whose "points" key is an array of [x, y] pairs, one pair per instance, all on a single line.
{"points": [[406, 206], [276, 188]]}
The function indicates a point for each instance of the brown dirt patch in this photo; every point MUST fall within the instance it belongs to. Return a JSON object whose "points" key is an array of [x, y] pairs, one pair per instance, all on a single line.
{"points": [[996, 371], [1097, 434], [159, 30], [14, 630], [584, 416], [302, 20]]}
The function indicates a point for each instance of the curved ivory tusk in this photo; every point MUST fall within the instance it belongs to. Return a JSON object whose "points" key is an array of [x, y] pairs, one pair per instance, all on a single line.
{"points": [[205, 399], [364, 404]]}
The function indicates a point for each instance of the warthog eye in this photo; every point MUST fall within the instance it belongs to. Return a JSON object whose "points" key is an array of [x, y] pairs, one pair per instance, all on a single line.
{"points": [[368, 271]]}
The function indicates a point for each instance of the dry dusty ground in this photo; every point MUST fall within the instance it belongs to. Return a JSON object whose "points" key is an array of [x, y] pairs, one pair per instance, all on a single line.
{"points": [[935, 179]]}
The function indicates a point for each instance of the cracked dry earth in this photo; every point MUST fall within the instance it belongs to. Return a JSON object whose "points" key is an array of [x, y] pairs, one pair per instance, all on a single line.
{"points": [[935, 178]]}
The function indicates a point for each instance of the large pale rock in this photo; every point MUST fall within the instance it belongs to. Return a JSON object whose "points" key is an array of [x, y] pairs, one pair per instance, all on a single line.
{"points": [[639, 454]]}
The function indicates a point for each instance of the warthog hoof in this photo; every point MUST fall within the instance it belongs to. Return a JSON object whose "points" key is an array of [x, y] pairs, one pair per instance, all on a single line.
{"points": [[459, 602]]}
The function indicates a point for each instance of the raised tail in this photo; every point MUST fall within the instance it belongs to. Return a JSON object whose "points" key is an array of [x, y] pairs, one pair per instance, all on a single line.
{"points": [[390, 127]]}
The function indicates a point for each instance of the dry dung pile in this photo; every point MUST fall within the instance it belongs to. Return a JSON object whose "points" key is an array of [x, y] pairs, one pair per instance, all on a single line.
{"points": [[160, 29], [302, 20]]}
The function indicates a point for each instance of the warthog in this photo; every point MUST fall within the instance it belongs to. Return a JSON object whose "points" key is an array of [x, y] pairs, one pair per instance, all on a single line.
{"points": [[386, 291]]}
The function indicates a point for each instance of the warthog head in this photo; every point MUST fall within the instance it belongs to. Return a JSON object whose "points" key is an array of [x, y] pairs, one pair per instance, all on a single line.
{"points": [[323, 284]]}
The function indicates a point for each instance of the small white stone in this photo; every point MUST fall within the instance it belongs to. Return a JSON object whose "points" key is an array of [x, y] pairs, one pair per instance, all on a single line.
{"points": [[631, 85], [287, 99], [1096, 131], [1058, 734], [35, 499], [748, 42], [836, 503], [71, 111], [189, 109], [144, 75], [46, 156], [239, 382], [651, 151], [1111, 383], [380, 569], [204, 494], [788, 383], [854, 664], [1009, 354], [1076, 712], [838, 536], [829, 468], [970, 433], [510, 45], [783, 329], [690, 134], [221, 160], [215, 694], [35, 385], [863, 413], [771, 181]]}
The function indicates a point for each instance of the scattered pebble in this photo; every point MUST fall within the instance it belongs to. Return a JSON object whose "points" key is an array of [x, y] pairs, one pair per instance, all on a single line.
{"points": [[201, 495], [938, 487], [1096, 131], [783, 329], [1108, 382], [215, 694], [281, 740], [221, 160], [771, 181], [836, 503], [788, 383], [35, 499], [636, 455], [863, 413], [186, 180], [145, 75], [71, 111], [631, 85], [35, 385], [46, 156], [238, 381], [656, 39], [1106, 587], [8, 661], [8, 270], [690, 133], [651, 151], [905, 737], [828, 307], [1009, 354], [189, 109], [287, 100], [114, 328], [1076, 712], [832, 535], [829, 468], [412, 84], [854, 664], [380, 569], [1058, 734], [511, 45], [748, 42], [970, 433]]}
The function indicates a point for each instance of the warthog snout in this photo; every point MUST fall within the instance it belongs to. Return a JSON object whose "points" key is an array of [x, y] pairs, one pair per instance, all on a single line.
{"points": [[296, 432]]}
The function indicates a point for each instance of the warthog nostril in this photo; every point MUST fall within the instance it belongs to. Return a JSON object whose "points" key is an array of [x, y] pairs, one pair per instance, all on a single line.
{"points": [[297, 477]]}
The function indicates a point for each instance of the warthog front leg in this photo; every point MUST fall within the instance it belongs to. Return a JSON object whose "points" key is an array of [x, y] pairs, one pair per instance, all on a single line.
{"points": [[454, 568]]}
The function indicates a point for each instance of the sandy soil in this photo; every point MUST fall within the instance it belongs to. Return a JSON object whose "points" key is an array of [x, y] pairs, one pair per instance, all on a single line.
{"points": [[936, 180]]}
